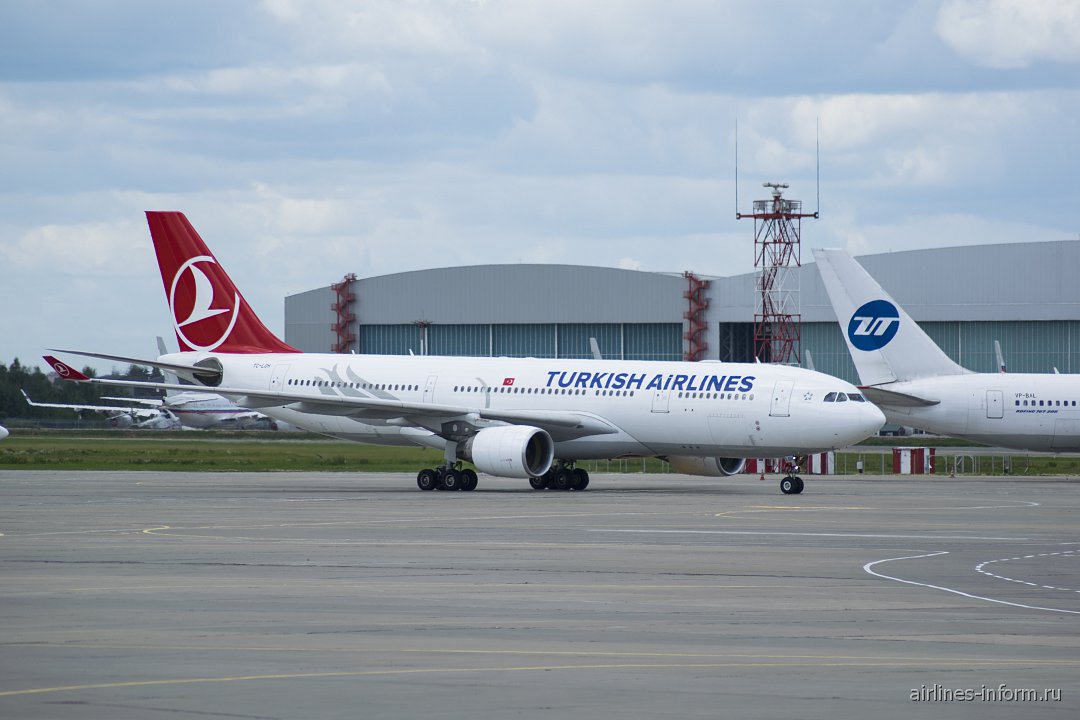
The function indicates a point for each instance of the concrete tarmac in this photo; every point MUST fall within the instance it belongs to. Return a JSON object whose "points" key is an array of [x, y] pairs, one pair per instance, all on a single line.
{"points": [[286, 595]]}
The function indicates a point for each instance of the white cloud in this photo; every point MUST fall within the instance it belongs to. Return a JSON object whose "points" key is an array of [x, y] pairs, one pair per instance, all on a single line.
{"points": [[1011, 33], [310, 139], [377, 27], [113, 249]]}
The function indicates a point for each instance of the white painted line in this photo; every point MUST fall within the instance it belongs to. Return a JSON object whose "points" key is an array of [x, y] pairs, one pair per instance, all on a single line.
{"points": [[868, 568], [1063, 553], [799, 534]]}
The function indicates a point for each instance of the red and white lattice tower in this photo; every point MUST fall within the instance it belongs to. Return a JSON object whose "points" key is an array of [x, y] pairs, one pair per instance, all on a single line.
{"points": [[777, 259]]}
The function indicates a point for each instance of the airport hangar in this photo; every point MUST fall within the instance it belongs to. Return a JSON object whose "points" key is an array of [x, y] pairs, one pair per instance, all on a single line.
{"points": [[1025, 295]]}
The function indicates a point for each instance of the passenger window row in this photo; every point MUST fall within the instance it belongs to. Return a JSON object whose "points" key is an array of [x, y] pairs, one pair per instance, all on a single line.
{"points": [[352, 385], [513, 390], [717, 396], [1046, 403]]}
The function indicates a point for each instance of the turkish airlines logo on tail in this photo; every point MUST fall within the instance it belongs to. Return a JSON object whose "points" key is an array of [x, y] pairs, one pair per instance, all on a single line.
{"points": [[874, 325], [205, 326]]}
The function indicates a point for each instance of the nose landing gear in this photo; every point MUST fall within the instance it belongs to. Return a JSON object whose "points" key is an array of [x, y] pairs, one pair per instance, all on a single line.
{"points": [[792, 484]]}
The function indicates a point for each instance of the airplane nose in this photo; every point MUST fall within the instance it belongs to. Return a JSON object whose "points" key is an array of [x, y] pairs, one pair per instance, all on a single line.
{"points": [[873, 418]]}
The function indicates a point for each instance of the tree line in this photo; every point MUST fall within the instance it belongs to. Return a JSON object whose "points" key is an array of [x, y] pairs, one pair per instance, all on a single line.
{"points": [[47, 388]]}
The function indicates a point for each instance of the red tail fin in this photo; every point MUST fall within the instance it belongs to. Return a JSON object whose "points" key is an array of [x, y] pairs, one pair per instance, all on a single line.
{"points": [[65, 371], [209, 313]]}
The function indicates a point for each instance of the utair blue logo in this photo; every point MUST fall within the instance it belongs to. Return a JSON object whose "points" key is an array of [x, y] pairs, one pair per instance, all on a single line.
{"points": [[874, 325]]}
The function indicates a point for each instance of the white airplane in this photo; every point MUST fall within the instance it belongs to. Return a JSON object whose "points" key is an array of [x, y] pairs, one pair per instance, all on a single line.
{"points": [[510, 417], [915, 383], [122, 416], [201, 410], [3, 432], [195, 409]]}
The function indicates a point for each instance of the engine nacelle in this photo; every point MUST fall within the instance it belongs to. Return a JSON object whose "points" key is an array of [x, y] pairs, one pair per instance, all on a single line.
{"points": [[710, 466], [121, 422], [517, 451]]}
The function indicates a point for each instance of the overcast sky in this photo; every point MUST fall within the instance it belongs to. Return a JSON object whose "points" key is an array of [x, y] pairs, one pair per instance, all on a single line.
{"points": [[309, 138]]}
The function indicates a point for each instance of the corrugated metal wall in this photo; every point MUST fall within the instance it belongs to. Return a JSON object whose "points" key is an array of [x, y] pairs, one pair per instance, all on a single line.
{"points": [[646, 341]]}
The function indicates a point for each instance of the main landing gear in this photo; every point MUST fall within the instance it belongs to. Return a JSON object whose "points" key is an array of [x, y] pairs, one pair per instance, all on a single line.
{"points": [[447, 478], [562, 476]]}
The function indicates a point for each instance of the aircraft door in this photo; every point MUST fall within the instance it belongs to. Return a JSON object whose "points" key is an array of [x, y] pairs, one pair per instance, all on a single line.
{"points": [[429, 388], [660, 400], [781, 398], [995, 401], [277, 379]]}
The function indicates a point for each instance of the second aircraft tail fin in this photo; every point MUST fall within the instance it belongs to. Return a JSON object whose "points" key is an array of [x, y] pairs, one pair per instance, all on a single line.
{"points": [[885, 343]]}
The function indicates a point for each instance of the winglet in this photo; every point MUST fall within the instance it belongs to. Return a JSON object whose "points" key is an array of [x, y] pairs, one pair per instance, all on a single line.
{"points": [[65, 371]]}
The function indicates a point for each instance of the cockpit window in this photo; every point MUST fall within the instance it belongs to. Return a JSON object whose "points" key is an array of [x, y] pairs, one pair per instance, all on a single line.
{"points": [[831, 397], [856, 397], [841, 397]]}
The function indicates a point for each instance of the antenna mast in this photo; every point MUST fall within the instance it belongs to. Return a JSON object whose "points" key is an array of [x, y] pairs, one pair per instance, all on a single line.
{"points": [[777, 259]]}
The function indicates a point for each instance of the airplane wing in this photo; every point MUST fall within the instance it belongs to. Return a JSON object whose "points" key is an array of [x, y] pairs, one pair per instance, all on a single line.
{"points": [[879, 396], [149, 402], [188, 372], [94, 408], [561, 425]]}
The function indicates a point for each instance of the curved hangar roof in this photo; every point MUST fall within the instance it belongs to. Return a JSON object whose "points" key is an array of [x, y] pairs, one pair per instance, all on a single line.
{"points": [[508, 294], [1016, 281]]}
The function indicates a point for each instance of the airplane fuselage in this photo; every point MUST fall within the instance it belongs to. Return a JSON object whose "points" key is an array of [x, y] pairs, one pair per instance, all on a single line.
{"points": [[1018, 411], [206, 410], [648, 408]]}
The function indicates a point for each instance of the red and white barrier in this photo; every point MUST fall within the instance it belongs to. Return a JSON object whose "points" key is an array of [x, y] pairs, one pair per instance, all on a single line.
{"points": [[817, 464], [913, 460]]}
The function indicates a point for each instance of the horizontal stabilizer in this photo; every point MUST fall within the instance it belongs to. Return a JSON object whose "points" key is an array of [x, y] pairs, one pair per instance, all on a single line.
{"points": [[176, 367], [895, 399]]}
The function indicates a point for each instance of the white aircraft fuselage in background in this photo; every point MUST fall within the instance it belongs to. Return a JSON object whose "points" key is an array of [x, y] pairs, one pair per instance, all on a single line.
{"points": [[203, 410], [915, 383], [526, 418]]}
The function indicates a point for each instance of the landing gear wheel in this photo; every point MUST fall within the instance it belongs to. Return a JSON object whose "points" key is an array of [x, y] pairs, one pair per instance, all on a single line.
{"points": [[426, 480], [452, 480], [469, 481], [581, 479], [539, 483], [788, 486], [799, 485], [564, 479]]}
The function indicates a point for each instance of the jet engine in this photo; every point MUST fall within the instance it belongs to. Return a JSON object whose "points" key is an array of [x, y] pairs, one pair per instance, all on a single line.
{"points": [[710, 466], [518, 451], [121, 422]]}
